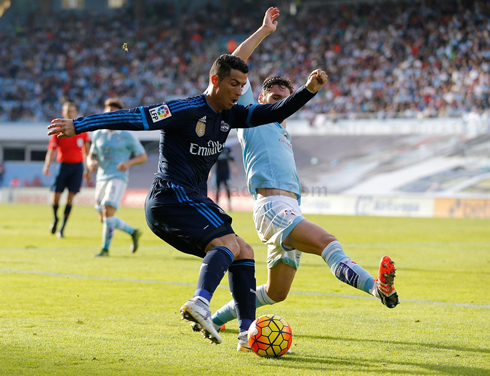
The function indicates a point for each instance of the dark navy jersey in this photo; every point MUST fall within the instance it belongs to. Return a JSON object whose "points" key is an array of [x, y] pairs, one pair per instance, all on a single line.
{"points": [[192, 133]]}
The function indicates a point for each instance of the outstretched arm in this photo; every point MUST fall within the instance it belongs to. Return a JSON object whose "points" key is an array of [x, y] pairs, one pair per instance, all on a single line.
{"points": [[133, 119], [269, 25], [155, 116], [259, 114]]}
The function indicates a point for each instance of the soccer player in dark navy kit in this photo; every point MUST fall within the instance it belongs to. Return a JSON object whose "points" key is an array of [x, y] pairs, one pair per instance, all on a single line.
{"points": [[71, 156], [193, 133]]}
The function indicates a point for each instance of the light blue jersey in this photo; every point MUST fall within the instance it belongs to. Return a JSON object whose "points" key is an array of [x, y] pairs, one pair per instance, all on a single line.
{"points": [[111, 148], [267, 154]]}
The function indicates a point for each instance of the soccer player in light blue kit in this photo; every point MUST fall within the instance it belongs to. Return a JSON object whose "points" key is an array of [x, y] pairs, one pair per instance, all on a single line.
{"points": [[274, 184], [110, 154]]}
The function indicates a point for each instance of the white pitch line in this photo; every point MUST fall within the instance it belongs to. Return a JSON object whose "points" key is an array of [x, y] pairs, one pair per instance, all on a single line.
{"points": [[346, 245], [150, 281]]}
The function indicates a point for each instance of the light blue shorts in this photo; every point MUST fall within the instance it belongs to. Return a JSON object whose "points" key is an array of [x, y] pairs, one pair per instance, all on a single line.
{"points": [[109, 192], [275, 217]]}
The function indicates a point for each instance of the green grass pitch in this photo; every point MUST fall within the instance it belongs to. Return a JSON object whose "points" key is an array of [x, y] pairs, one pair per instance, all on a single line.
{"points": [[63, 312]]}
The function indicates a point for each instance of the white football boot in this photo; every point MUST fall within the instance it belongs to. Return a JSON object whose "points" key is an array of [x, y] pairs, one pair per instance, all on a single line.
{"points": [[197, 310]]}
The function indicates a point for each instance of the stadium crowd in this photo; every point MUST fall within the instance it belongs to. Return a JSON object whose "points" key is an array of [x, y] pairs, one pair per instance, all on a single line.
{"points": [[403, 59]]}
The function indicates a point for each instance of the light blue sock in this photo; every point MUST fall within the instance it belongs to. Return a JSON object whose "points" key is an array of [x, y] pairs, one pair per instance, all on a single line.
{"points": [[107, 232], [228, 312], [346, 270], [225, 314], [262, 298], [123, 226]]}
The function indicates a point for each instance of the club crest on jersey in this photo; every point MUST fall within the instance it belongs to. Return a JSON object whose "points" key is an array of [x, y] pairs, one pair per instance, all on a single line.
{"points": [[225, 127], [159, 113], [201, 126]]}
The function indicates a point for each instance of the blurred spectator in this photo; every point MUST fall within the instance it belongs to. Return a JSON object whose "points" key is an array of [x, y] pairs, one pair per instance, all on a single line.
{"points": [[2, 172], [406, 59]]}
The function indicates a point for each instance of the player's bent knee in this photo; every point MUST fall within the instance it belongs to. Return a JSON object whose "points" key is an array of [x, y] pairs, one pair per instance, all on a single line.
{"points": [[246, 250], [278, 296], [229, 241]]}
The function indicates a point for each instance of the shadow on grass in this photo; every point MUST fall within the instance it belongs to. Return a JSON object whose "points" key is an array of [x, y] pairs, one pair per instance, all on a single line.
{"points": [[333, 364], [399, 343], [302, 361]]}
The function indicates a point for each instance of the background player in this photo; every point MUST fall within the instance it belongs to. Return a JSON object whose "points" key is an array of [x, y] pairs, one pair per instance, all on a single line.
{"points": [[71, 156], [222, 173], [110, 155], [193, 133], [273, 182]]}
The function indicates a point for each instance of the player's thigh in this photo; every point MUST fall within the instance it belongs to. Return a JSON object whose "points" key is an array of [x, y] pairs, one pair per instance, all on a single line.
{"points": [[179, 243], [308, 237], [100, 188], [173, 212], [275, 217], [280, 279]]}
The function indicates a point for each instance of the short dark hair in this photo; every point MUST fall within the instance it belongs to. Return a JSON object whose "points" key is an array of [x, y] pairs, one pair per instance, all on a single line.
{"points": [[269, 82], [114, 102], [223, 65]]}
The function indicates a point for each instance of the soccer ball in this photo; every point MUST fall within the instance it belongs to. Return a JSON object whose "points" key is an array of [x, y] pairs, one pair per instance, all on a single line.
{"points": [[270, 336]]}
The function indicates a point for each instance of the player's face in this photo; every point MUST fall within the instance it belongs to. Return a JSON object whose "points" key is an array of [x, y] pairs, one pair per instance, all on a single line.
{"points": [[275, 94], [69, 111], [229, 89]]}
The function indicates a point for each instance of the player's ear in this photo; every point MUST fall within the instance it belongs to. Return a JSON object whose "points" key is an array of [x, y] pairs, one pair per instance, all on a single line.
{"points": [[215, 80], [261, 97]]}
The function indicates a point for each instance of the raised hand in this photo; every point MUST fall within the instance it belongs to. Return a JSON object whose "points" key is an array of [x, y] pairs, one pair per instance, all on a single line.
{"points": [[270, 23], [316, 80]]}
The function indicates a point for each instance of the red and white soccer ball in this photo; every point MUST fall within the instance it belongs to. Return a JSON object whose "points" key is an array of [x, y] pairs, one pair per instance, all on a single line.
{"points": [[270, 336]]}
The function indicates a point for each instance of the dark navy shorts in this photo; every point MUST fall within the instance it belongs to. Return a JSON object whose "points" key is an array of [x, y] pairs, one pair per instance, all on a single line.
{"points": [[70, 175], [185, 219]]}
